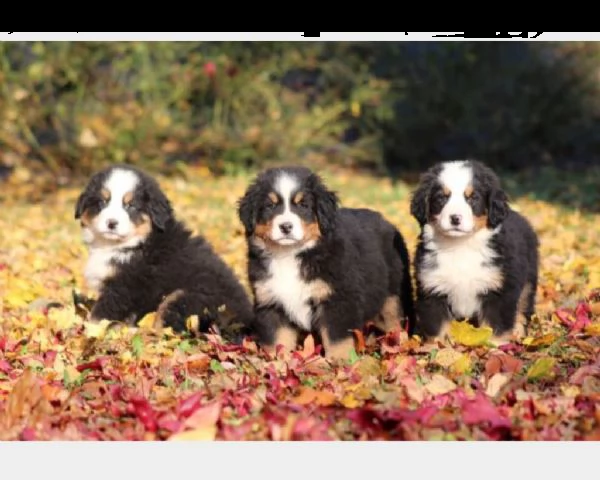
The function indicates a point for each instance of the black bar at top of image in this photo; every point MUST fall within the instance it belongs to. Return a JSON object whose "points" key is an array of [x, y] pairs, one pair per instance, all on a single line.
{"points": [[311, 34]]}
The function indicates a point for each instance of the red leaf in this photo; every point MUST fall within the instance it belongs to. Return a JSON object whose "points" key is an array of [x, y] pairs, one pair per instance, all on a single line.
{"points": [[144, 412], [5, 367], [97, 364], [189, 405], [482, 410], [49, 358], [28, 434]]}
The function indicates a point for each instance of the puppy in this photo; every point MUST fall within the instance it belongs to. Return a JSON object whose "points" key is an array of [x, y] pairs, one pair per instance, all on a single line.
{"points": [[141, 259], [314, 267], [476, 258]]}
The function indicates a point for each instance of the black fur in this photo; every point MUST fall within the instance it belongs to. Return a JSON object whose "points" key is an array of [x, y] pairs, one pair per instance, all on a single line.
{"points": [[516, 245], [169, 259], [360, 255]]}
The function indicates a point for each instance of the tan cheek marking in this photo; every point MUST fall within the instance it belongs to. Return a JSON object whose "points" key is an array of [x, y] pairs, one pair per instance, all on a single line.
{"points": [[105, 194], [263, 230], [286, 336], [298, 197], [144, 227], [311, 231], [127, 198], [164, 305], [273, 197], [339, 350], [469, 191], [86, 218], [480, 222]]}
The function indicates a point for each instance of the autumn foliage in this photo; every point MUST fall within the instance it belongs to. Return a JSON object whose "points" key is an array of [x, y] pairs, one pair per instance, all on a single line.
{"points": [[64, 379]]}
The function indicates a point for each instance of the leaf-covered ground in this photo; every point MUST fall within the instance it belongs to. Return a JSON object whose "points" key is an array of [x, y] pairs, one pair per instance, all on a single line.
{"points": [[63, 379]]}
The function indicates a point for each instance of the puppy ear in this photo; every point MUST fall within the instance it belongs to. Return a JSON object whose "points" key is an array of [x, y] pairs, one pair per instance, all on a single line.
{"points": [[497, 207], [80, 206], [158, 205], [247, 210], [419, 202], [326, 202]]}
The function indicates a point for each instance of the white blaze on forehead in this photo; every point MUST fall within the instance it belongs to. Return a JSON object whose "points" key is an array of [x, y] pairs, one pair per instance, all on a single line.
{"points": [[456, 177], [120, 182], [286, 185]]}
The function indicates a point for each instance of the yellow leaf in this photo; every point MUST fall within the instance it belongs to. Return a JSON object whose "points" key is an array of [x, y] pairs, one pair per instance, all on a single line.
{"points": [[593, 329], [466, 334], [96, 330], [206, 433], [350, 401], [570, 390], [148, 321], [462, 364], [446, 357], [541, 368], [440, 385]]}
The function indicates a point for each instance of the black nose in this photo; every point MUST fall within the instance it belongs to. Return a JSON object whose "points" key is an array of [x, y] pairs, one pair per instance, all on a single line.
{"points": [[286, 227], [111, 224], [455, 220]]}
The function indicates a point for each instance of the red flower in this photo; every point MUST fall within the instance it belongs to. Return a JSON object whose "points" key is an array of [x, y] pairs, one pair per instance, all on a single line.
{"points": [[210, 69]]}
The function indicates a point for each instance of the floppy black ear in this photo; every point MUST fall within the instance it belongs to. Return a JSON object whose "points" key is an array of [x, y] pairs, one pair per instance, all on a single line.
{"points": [[419, 203], [80, 206], [326, 205], [497, 207], [247, 208], [158, 205]]}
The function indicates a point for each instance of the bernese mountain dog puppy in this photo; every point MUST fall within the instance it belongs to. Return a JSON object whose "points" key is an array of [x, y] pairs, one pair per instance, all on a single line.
{"points": [[315, 267], [143, 260], [476, 258]]}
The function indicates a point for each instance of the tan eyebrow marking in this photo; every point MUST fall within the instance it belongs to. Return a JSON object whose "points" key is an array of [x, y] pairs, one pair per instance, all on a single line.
{"points": [[446, 190], [298, 197], [105, 194], [273, 197], [469, 191], [127, 198]]}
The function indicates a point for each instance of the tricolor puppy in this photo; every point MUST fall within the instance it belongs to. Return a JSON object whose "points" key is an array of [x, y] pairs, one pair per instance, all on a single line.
{"points": [[314, 267], [476, 258], [142, 260]]}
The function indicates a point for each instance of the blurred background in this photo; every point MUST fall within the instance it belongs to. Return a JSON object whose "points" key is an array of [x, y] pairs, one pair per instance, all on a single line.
{"points": [[529, 109]]}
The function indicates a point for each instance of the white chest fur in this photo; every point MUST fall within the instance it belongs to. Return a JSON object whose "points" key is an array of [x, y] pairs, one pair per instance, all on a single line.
{"points": [[460, 268], [100, 265], [285, 286]]}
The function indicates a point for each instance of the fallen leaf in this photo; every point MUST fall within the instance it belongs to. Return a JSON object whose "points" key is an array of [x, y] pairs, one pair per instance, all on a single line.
{"points": [[468, 335], [319, 397], [495, 384], [542, 368], [440, 385]]}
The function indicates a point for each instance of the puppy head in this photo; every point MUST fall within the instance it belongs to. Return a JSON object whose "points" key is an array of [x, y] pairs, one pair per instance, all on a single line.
{"points": [[459, 198], [120, 206], [288, 207]]}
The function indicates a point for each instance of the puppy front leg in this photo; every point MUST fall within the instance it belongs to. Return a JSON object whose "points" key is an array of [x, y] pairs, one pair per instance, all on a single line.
{"points": [[273, 328], [433, 316], [335, 327], [115, 307]]}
